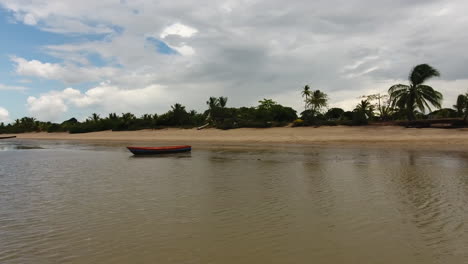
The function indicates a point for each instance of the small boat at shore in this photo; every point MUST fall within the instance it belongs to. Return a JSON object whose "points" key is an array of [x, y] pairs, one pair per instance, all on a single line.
{"points": [[159, 150], [7, 137]]}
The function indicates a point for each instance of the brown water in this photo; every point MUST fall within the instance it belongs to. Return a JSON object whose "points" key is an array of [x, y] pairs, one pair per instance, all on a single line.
{"points": [[72, 203]]}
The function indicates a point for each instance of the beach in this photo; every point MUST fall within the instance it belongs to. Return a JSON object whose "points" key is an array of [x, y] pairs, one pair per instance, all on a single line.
{"points": [[338, 135]]}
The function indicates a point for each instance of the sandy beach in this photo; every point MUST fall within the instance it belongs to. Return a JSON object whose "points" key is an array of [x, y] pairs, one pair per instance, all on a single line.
{"points": [[363, 136]]}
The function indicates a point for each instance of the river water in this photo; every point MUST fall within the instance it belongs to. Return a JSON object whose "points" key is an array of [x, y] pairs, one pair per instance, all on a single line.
{"points": [[64, 202]]}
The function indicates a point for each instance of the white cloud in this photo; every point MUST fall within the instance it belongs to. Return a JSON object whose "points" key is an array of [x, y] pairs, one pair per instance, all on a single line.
{"points": [[29, 19], [180, 30], [184, 50], [36, 68], [246, 49], [48, 107], [66, 73], [104, 98], [4, 87], [4, 115]]}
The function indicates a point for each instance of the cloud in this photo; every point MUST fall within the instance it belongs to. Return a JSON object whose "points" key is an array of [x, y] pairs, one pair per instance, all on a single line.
{"points": [[104, 98], [29, 19], [36, 68], [4, 87], [4, 115], [247, 49], [67, 73], [180, 30], [48, 107]]}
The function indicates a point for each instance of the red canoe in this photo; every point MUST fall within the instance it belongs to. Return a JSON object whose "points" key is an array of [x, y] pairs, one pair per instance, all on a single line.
{"points": [[159, 150]]}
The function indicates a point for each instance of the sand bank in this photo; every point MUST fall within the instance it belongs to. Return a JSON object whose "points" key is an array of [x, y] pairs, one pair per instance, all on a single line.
{"points": [[368, 135]]}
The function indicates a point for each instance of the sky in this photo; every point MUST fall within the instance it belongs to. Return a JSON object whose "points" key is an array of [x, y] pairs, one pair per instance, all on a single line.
{"points": [[63, 58]]}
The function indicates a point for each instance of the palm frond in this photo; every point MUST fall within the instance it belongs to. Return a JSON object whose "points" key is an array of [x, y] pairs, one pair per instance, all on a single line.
{"points": [[397, 87], [421, 73]]}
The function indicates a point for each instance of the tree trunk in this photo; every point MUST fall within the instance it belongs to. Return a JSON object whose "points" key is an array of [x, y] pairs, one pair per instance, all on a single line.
{"points": [[410, 106]]}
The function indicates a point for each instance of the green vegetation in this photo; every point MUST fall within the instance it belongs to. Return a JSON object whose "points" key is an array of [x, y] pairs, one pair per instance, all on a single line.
{"points": [[416, 95], [404, 105]]}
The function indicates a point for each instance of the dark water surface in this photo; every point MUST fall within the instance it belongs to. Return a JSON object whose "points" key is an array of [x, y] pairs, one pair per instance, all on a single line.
{"points": [[63, 202]]}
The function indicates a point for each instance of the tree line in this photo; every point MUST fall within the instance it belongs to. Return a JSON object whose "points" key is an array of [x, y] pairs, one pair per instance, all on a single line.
{"points": [[403, 102]]}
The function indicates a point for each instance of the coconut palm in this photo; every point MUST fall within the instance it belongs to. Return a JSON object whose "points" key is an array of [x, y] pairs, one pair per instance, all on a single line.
{"points": [[212, 103], [94, 118], [306, 93], [222, 101], [128, 116], [112, 116], [266, 104], [366, 108], [317, 100], [416, 95]]}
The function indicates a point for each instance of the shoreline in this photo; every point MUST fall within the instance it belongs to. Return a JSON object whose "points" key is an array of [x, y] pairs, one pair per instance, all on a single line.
{"points": [[366, 136]]}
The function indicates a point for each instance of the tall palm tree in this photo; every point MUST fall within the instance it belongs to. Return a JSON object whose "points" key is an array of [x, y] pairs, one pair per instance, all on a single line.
{"points": [[462, 101], [222, 101], [416, 95], [177, 107], [366, 108], [306, 93], [317, 100], [212, 103], [94, 117]]}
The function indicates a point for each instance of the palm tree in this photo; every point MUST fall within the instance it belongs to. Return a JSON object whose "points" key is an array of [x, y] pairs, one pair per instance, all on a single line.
{"points": [[366, 108], [212, 103], [128, 116], [147, 117], [462, 101], [266, 104], [94, 117], [222, 101], [112, 116], [317, 100], [215, 107], [416, 95], [306, 93]]}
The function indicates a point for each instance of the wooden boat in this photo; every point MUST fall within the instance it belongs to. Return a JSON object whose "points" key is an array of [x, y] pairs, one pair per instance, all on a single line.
{"points": [[159, 150], [7, 137]]}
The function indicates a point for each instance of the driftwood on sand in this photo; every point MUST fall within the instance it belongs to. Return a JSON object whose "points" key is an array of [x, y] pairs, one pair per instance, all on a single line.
{"points": [[204, 126]]}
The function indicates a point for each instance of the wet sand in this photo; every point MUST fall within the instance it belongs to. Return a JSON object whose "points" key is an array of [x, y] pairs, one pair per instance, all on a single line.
{"points": [[340, 135]]}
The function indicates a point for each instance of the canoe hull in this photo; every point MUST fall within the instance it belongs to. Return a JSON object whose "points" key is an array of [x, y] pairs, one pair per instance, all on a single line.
{"points": [[159, 150], [7, 137]]}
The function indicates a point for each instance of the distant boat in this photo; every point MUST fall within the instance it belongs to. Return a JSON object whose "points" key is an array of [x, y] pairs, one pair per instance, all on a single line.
{"points": [[7, 137], [159, 150]]}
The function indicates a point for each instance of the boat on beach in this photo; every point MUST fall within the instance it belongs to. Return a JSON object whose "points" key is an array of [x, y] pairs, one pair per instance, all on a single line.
{"points": [[7, 137], [159, 150]]}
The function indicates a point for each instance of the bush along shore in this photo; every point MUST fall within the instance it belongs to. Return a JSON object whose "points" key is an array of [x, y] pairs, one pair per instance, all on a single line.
{"points": [[409, 105]]}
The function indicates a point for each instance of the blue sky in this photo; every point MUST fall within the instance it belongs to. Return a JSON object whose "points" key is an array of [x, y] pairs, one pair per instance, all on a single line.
{"points": [[63, 59], [28, 42]]}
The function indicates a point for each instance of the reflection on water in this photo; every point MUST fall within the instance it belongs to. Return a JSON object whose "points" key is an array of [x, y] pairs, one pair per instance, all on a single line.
{"points": [[63, 202]]}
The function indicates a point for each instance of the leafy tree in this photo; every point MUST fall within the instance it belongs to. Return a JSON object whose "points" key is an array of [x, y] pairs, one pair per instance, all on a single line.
{"points": [[444, 113], [334, 114], [462, 104], [417, 95], [381, 104]]}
